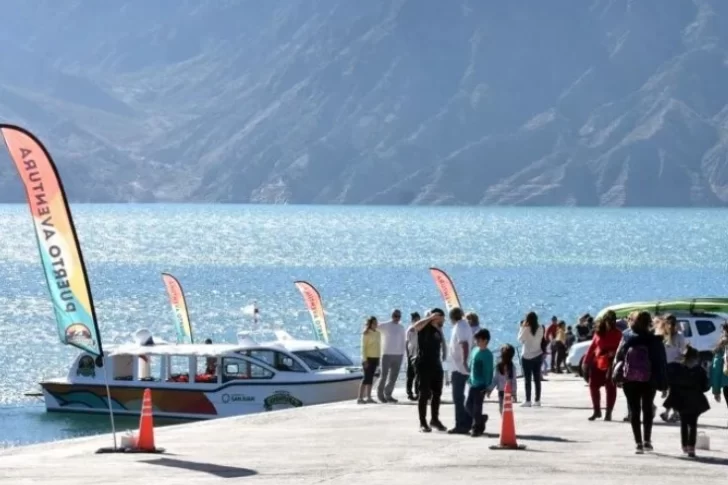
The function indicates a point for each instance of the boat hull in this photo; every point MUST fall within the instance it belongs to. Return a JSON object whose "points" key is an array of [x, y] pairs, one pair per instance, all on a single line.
{"points": [[195, 402]]}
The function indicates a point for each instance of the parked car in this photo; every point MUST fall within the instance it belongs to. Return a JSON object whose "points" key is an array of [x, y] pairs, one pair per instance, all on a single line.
{"points": [[702, 331]]}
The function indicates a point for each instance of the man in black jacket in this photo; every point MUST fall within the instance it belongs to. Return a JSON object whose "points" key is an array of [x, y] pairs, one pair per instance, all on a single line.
{"points": [[430, 354]]}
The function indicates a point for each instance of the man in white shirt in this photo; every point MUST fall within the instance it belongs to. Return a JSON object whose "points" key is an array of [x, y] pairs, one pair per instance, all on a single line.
{"points": [[413, 386], [474, 322], [393, 349], [460, 343]]}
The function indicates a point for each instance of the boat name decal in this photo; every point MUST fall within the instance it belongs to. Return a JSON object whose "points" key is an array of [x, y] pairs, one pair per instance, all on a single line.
{"points": [[228, 398], [281, 397]]}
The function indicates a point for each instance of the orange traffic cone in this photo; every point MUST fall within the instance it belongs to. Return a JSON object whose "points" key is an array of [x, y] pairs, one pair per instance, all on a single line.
{"points": [[508, 424], [145, 439]]}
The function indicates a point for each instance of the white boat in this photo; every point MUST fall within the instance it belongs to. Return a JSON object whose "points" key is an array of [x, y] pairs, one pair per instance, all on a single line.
{"points": [[199, 381]]}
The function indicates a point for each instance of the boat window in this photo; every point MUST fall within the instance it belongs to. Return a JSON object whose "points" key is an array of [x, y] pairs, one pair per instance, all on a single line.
{"points": [[206, 370], [278, 360], [179, 369], [705, 327], [86, 367], [322, 358], [123, 367], [236, 369], [685, 328]]}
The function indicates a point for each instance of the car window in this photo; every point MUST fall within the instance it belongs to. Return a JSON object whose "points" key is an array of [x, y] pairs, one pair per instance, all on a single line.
{"points": [[685, 328], [705, 327]]}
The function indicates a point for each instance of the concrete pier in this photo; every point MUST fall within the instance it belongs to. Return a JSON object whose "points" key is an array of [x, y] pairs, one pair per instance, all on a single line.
{"points": [[346, 443]]}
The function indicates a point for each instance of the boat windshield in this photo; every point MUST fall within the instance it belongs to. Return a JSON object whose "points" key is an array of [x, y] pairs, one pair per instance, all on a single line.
{"points": [[324, 358]]}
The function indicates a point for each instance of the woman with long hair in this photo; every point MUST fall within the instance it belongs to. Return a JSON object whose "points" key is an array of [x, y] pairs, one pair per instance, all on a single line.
{"points": [[675, 345], [371, 350], [531, 336], [598, 361], [641, 369], [505, 371]]}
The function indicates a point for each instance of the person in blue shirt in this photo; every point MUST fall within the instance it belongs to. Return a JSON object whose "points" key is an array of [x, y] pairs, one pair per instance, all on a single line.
{"points": [[480, 380]]}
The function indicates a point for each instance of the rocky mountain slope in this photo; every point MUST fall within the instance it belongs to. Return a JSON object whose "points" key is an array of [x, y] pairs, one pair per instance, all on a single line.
{"points": [[525, 102]]}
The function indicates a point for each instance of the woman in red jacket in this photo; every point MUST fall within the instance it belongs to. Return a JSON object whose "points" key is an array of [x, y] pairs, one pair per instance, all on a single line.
{"points": [[597, 362]]}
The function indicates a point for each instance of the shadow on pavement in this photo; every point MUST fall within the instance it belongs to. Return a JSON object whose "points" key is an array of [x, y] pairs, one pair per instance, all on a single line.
{"points": [[708, 460], [222, 471]]}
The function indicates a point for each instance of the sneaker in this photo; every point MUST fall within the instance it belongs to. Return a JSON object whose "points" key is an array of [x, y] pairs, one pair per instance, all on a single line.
{"points": [[639, 450], [425, 429], [648, 446], [526, 404], [537, 404], [438, 425]]}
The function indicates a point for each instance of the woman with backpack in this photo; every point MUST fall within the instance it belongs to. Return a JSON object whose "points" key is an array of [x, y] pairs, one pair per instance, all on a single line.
{"points": [[531, 336], [597, 362], [688, 385], [641, 370]]}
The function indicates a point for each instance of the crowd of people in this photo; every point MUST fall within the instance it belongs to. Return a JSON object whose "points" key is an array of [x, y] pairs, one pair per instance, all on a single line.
{"points": [[641, 355], [422, 345]]}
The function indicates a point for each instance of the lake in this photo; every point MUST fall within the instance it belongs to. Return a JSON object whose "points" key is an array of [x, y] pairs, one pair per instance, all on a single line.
{"points": [[364, 261]]}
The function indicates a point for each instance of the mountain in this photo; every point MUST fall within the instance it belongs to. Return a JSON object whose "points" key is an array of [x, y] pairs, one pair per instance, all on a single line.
{"points": [[565, 102]]}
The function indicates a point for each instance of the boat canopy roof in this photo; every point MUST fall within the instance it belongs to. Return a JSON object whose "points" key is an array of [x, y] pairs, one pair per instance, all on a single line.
{"points": [[690, 305], [206, 350], [211, 350]]}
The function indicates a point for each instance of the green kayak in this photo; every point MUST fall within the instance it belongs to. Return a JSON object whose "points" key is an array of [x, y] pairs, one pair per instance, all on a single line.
{"points": [[692, 305]]}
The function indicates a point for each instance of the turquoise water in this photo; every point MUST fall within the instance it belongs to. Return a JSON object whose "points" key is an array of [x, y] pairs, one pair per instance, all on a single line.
{"points": [[364, 260]]}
